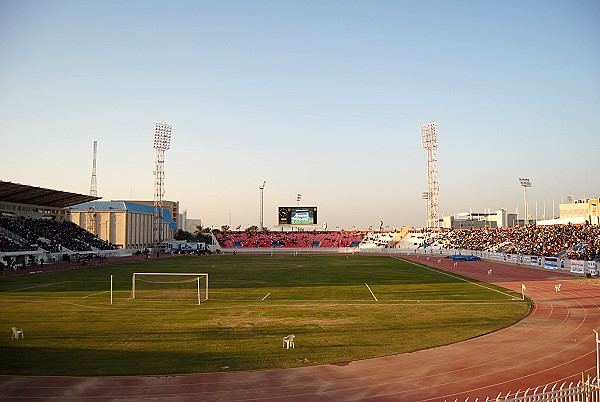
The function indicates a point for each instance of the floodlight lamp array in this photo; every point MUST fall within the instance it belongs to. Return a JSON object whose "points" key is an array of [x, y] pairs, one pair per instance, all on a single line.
{"points": [[429, 135], [524, 182], [162, 136]]}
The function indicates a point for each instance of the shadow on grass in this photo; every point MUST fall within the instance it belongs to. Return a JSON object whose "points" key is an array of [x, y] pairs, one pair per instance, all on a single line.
{"points": [[25, 361]]}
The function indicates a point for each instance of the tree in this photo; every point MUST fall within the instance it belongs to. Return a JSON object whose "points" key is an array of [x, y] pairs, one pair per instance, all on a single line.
{"points": [[224, 228], [183, 235], [205, 238], [200, 235], [252, 228]]}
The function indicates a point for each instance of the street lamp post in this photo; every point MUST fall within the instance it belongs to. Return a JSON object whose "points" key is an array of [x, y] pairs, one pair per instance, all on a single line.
{"points": [[262, 189], [525, 183]]}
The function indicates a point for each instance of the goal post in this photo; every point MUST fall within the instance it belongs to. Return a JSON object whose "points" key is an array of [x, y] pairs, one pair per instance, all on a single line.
{"points": [[169, 285]]}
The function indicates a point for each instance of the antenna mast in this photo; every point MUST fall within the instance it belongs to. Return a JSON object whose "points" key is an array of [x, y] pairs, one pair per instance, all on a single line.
{"points": [[429, 141], [162, 142]]}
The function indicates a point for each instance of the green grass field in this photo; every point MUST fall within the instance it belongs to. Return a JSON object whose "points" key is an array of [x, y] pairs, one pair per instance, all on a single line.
{"points": [[72, 329]]}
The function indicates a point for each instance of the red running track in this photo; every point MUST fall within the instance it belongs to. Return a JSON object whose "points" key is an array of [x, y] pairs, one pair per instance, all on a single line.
{"points": [[555, 343]]}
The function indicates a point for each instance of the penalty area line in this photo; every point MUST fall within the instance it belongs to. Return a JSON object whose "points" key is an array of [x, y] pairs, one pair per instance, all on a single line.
{"points": [[37, 286], [371, 292]]}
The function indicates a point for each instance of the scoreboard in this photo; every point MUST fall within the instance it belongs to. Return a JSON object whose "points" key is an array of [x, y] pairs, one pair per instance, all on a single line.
{"points": [[297, 216]]}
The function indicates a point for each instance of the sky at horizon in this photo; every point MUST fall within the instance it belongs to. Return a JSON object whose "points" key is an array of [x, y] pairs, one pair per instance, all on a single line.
{"points": [[321, 98]]}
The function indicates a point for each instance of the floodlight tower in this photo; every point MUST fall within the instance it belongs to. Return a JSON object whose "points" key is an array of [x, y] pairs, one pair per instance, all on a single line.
{"points": [[425, 196], [162, 142], [91, 214], [525, 183], [262, 189], [94, 184], [430, 144]]}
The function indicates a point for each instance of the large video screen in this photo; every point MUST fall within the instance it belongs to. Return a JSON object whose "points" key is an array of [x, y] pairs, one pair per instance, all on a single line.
{"points": [[297, 215]]}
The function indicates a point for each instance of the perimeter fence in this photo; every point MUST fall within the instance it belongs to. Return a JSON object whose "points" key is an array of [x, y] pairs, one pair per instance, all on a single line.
{"points": [[583, 391]]}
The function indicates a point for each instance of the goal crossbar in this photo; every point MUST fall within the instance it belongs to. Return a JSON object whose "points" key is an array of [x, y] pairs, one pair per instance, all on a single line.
{"points": [[194, 277]]}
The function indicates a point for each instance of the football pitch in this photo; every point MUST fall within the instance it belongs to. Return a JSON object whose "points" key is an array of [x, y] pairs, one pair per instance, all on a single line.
{"points": [[340, 307]]}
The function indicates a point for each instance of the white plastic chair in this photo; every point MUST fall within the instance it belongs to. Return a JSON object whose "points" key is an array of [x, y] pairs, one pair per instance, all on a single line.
{"points": [[16, 332], [288, 341]]}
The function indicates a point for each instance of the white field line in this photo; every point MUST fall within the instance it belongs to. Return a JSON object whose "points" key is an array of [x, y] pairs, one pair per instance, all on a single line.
{"points": [[94, 294], [371, 292], [84, 306], [37, 286], [461, 279]]}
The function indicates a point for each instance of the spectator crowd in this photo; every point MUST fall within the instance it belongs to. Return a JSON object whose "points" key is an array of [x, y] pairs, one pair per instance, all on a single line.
{"points": [[50, 235], [580, 242]]}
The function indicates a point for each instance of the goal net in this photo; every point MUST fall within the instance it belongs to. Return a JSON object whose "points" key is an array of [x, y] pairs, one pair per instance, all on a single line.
{"points": [[168, 286]]}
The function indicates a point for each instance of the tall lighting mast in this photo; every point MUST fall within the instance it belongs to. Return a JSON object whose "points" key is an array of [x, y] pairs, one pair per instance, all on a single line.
{"points": [[262, 189], [525, 183], [162, 142], [91, 225], [430, 144], [94, 183]]}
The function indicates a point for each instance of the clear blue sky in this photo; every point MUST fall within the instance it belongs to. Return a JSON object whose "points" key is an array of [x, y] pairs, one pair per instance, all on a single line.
{"points": [[322, 98]]}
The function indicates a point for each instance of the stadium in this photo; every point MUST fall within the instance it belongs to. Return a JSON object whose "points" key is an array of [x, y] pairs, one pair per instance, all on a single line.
{"points": [[268, 220], [524, 301]]}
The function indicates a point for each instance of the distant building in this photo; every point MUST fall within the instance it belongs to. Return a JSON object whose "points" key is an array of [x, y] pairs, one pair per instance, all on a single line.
{"points": [[576, 212], [125, 224], [172, 206], [479, 220]]}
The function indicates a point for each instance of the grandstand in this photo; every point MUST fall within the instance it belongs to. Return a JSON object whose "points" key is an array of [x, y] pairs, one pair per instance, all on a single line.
{"points": [[580, 242], [35, 226], [385, 239], [577, 242], [297, 240]]}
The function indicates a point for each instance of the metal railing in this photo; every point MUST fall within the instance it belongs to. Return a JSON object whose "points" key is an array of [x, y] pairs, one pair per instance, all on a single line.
{"points": [[583, 391]]}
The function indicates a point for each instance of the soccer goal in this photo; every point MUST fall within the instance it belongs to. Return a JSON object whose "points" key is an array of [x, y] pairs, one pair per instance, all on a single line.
{"points": [[166, 286]]}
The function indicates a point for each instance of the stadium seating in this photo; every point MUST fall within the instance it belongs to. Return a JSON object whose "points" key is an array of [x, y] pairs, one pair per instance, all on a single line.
{"points": [[565, 241], [7, 245], [306, 239], [378, 239], [49, 235], [580, 242]]}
